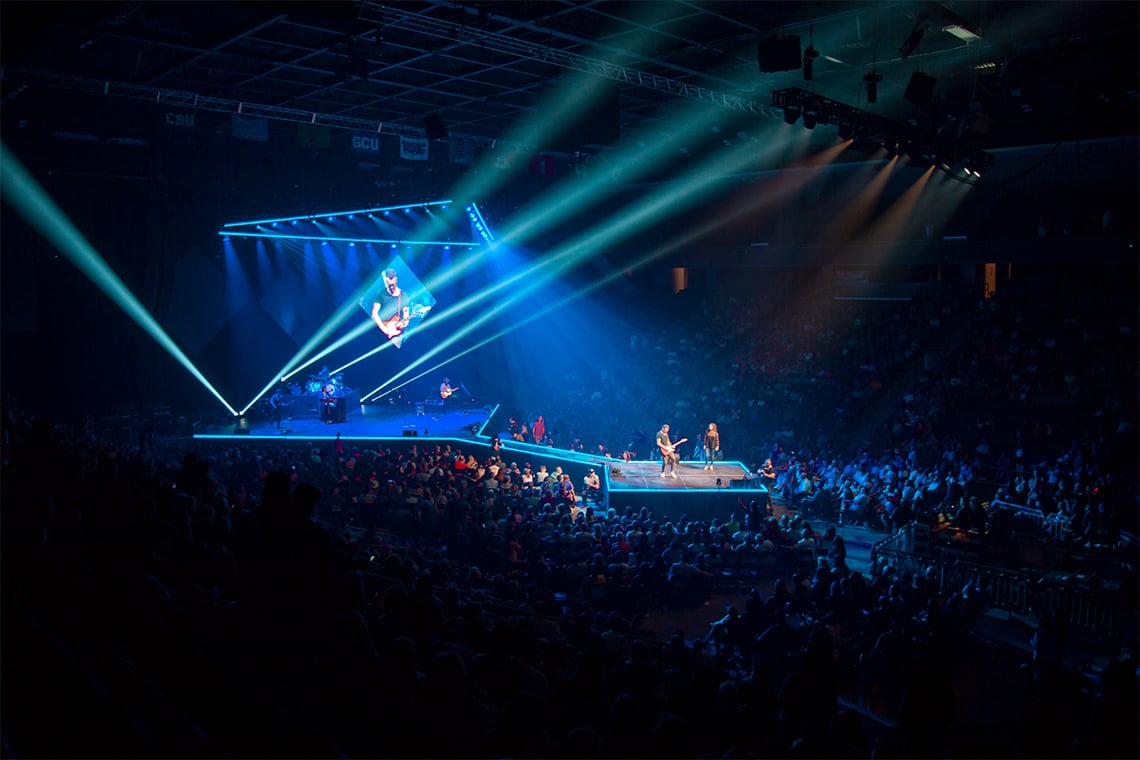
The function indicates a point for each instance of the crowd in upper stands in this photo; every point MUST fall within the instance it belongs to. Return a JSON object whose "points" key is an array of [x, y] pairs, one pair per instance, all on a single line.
{"points": [[323, 598], [1036, 382]]}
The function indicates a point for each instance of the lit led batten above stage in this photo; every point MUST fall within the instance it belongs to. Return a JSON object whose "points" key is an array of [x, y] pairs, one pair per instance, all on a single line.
{"points": [[432, 224], [326, 238], [331, 215]]}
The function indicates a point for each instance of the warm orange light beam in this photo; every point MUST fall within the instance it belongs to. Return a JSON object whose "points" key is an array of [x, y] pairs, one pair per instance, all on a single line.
{"points": [[892, 223], [767, 198], [852, 218]]}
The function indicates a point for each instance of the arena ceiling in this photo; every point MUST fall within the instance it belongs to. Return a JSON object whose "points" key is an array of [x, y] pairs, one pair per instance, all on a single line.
{"points": [[475, 71]]}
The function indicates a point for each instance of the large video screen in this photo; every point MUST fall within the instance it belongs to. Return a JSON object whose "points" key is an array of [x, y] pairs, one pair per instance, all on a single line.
{"points": [[397, 302]]}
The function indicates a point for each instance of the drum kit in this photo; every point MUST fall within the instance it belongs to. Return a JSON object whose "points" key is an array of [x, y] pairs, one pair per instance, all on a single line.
{"points": [[332, 386]]}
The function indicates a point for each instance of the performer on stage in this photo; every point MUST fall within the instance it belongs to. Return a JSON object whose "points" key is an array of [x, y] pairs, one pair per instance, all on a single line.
{"points": [[328, 402], [592, 490], [277, 404], [712, 445], [448, 392], [668, 449]]}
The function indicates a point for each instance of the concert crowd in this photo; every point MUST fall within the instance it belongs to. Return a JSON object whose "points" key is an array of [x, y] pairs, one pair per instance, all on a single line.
{"points": [[326, 599]]}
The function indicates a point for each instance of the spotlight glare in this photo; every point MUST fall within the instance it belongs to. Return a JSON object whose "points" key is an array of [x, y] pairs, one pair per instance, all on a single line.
{"points": [[961, 32]]}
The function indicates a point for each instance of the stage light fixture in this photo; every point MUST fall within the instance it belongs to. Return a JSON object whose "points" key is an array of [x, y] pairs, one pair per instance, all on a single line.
{"points": [[962, 33], [791, 114], [872, 82], [911, 42], [811, 118], [846, 130], [810, 56]]}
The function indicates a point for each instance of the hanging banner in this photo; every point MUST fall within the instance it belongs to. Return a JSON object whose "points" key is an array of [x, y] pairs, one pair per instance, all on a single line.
{"points": [[250, 128], [413, 149], [360, 142], [314, 136]]}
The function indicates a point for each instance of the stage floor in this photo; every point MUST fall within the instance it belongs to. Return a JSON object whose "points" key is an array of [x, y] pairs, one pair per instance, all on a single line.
{"points": [[646, 476]]}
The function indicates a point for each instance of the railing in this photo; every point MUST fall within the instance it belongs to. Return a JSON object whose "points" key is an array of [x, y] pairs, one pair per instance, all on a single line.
{"points": [[1094, 605], [1032, 515]]}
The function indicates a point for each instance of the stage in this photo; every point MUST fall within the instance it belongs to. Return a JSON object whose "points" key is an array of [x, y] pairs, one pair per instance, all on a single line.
{"points": [[304, 418], [695, 492]]}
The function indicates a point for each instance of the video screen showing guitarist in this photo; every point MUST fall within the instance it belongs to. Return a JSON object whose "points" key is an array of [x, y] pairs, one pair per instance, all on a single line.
{"points": [[393, 310], [668, 449]]}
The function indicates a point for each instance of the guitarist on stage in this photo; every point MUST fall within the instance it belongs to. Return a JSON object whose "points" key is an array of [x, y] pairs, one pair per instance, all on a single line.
{"points": [[392, 310], [668, 449], [277, 403], [446, 391]]}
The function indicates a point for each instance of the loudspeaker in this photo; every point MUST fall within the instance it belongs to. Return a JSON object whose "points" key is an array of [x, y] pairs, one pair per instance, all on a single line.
{"points": [[411, 433], [920, 89], [433, 125], [778, 54]]}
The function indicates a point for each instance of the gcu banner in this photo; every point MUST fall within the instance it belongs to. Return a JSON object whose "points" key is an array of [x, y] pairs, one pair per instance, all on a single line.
{"points": [[360, 142]]}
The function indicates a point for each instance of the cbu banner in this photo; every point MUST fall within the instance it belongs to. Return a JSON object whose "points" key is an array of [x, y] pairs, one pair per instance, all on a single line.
{"points": [[413, 149]]}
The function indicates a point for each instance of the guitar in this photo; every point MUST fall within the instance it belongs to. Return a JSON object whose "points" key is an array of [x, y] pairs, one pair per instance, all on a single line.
{"points": [[449, 391], [667, 451], [395, 325]]}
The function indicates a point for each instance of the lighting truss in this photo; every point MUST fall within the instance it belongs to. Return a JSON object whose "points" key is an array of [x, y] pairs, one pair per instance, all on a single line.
{"points": [[257, 228], [833, 112], [388, 16], [193, 100], [329, 238], [333, 214], [877, 130]]}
